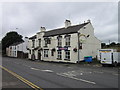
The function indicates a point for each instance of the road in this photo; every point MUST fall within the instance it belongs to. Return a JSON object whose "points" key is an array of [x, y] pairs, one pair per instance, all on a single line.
{"points": [[60, 75]]}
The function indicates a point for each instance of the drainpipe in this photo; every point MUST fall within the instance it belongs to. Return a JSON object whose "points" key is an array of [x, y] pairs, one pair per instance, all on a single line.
{"points": [[78, 47]]}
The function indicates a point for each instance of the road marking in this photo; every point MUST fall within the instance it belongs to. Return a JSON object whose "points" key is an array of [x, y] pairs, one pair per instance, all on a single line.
{"points": [[22, 79], [34, 68], [115, 74], [97, 72], [65, 75], [47, 70]]}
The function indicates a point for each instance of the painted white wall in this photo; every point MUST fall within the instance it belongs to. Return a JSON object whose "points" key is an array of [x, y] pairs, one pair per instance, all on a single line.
{"points": [[91, 44], [89, 47], [12, 50]]}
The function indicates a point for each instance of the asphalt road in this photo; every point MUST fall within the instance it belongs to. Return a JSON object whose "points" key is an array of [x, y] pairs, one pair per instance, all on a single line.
{"points": [[9, 81], [59, 75]]}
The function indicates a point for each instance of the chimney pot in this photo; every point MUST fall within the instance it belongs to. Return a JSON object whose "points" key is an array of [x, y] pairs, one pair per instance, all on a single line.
{"points": [[67, 23], [42, 29]]}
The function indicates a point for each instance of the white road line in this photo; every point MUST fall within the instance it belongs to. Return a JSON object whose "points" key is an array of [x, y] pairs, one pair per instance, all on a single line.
{"points": [[34, 68], [115, 74], [97, 72], [47, 70], [76, 78]]}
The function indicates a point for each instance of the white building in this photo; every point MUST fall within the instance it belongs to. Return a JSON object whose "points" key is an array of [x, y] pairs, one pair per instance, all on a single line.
{"points": [[67, 44], [18, 49]]}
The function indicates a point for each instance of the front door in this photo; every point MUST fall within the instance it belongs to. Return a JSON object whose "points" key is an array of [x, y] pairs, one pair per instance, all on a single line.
{"points": [[39, 55]]}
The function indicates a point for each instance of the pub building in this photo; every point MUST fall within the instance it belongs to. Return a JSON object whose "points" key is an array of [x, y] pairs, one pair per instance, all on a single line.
{"points": [[70, 43]]}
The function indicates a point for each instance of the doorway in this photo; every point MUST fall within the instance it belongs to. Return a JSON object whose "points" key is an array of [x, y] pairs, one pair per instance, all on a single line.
{"points": [[39, 55]]}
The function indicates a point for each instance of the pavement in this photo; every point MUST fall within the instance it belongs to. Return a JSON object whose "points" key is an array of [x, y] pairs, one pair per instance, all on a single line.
{"points": [[63, 75], [9, 81]]}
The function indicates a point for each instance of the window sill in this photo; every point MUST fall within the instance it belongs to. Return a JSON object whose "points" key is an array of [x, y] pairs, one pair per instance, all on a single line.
{"points": [[59, 46], [67, 46], [59, 58], [45, 46], [67, 59]]}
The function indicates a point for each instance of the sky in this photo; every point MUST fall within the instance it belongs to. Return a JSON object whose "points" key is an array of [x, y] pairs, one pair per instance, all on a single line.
{"points": [[27, 17]]}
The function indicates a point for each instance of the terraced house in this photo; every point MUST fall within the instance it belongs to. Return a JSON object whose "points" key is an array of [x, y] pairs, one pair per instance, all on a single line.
{"points": [[68, 44]]}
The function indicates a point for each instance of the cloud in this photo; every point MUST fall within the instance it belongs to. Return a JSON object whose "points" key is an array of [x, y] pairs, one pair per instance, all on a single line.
{"points": [[30, 16]]}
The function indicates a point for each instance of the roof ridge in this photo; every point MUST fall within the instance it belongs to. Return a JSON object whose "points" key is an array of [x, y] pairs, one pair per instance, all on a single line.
{"points": [[67, 27]]}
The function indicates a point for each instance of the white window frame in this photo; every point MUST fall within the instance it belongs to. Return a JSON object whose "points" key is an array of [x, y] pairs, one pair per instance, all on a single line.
{"points": [[33, 43], [67, 40], [60, 41], [59, 54], [39, 42], [67, 55], [46, 53]]}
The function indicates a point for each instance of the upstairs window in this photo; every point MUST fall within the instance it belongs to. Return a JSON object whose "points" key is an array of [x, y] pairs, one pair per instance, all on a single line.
{"points": [[67, 40], [60, 41], [39, 42], [45, 42], [33, 43]]}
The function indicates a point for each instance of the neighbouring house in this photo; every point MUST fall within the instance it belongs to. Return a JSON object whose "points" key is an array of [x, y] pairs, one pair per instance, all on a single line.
{"points": [[18, 49], [68, 44]]}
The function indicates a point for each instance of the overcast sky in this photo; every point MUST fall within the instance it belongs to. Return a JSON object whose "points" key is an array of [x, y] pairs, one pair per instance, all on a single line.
{"points": [[30, 16]]}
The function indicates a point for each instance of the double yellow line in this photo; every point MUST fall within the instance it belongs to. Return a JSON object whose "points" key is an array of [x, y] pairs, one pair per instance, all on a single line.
{"points": [[22, 79]]}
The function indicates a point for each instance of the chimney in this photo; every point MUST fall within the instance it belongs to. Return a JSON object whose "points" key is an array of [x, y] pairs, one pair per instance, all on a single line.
{"points": [[67, 23], [42, 29], [88, 20]]}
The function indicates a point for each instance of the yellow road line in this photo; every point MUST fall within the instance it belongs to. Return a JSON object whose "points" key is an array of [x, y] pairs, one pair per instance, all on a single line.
{"points": [[22, 79]]}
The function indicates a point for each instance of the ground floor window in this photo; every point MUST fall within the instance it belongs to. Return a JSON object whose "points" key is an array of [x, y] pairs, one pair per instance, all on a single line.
{"points": [[59, 54], [67, 55], [45, 53]]}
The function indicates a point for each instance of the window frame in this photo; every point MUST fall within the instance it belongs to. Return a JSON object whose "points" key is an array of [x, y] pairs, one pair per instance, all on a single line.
{"points": [[39, 42], [46, 53], [59, 54], [67, 55], [59, 38], [67, 40], [33, 43]]}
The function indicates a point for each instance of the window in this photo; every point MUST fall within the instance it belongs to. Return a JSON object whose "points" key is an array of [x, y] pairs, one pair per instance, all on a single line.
{"points": [[59, 56], [15, 53], [33, 52], [45, 42], [33, 43], [30, 51], [45, 53], [48, 41], [60, 41], [52, 53], [39, 42], [67, 55], [67, 41]]}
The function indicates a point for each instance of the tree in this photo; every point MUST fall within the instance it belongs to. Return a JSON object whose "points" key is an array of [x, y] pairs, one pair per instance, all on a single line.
{"points": [[103, 45], [10, 38], [112, 44]]}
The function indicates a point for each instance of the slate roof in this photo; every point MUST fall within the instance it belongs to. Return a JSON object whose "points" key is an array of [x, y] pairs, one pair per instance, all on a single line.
{"points": [[68, 30], [33, 37], [14, 44]]}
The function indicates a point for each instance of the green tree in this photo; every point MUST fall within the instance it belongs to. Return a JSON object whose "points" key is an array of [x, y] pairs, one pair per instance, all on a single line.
{"points": [[112, 44], [103, 45], [10, 38]]}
